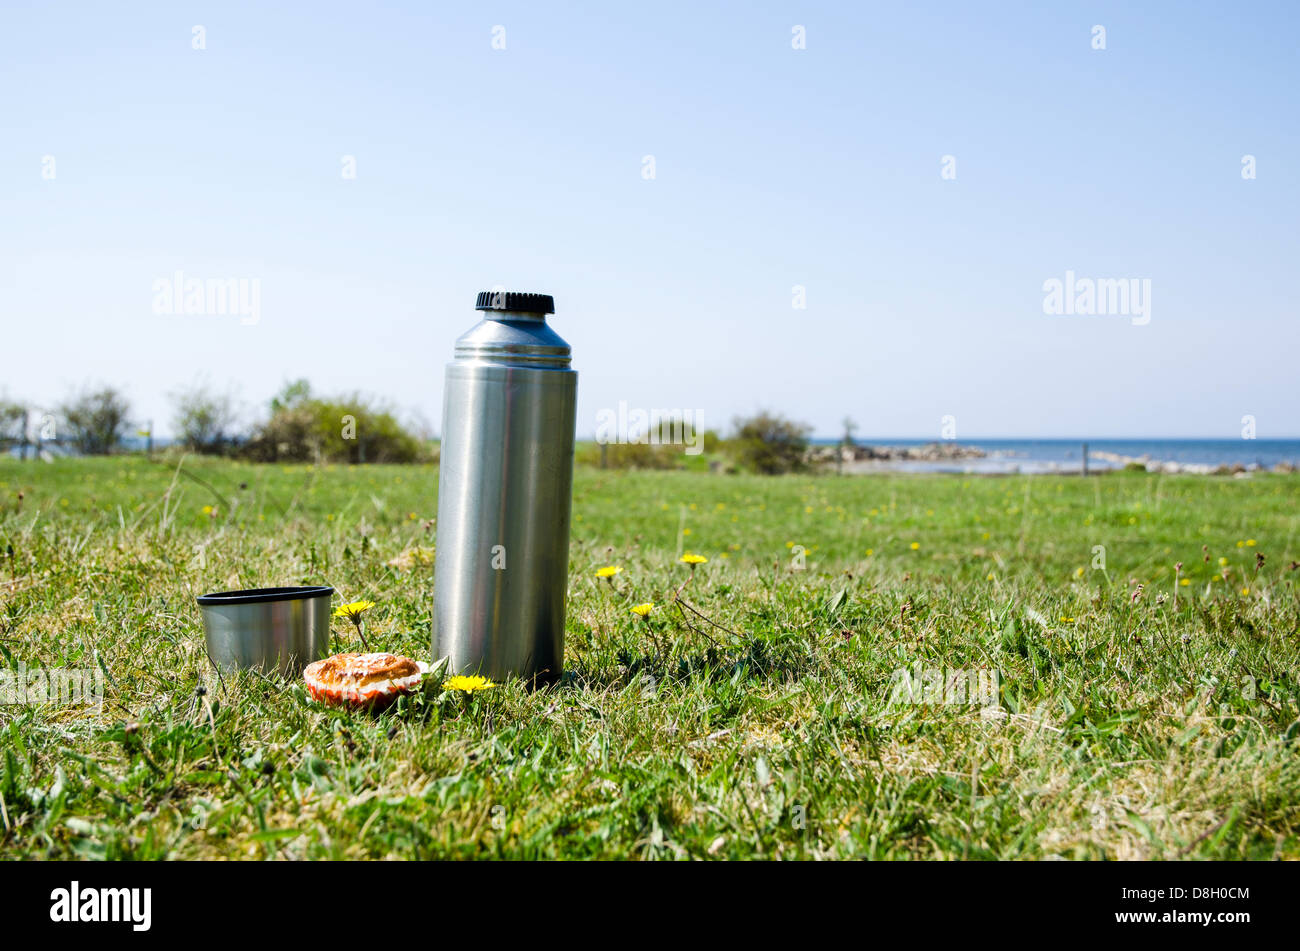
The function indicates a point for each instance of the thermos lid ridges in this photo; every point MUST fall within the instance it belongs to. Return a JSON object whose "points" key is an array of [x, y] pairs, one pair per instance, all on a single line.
{"points": [[515, 300]]}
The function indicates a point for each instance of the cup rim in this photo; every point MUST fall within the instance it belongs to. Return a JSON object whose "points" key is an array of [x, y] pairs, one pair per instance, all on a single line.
{"points": [[263, 595]]}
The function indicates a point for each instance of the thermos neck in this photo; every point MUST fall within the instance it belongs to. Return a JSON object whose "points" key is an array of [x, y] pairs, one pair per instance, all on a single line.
{"points": [[514, 339], [523, 315]]}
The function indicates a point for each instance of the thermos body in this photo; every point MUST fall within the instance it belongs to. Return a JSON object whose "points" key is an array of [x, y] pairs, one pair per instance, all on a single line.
{"points": [[505, 488]]}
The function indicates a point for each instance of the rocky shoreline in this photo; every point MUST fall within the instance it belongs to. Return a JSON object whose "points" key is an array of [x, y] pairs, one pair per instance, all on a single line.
{"points": [[863, 458], [1145, 461], [930, 452]]}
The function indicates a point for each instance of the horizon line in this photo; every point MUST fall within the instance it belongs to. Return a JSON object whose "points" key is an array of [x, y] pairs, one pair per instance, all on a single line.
{"points": [[1075, 438]]}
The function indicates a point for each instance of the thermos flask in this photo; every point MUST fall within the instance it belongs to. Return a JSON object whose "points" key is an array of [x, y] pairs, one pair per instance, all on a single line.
{"points": [[505, 487]]}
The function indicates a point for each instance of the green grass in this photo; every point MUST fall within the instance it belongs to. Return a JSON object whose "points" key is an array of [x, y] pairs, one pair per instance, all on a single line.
{"points": [[1147, 728]]}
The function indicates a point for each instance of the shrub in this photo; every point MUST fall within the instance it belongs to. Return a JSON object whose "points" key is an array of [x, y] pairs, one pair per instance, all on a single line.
{"points": [[205, 421], [13, 424], [668, 450], [95, 420], [303, 428], [769, 443], [630, 456]]}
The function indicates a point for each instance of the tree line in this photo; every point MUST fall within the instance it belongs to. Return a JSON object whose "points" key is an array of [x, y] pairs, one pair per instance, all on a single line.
{"points": [[298, 426], [301, 426]]}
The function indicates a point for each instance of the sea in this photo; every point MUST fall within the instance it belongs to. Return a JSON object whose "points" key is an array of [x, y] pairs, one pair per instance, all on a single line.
{"points": [[1009, 456], [1065, 455]]}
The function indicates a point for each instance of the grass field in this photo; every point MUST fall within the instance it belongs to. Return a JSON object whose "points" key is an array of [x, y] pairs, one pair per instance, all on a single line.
{"points": [[1137, 716]]}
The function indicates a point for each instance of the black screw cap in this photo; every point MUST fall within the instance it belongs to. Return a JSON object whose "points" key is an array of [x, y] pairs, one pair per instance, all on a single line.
{"points": [[515, 300]]}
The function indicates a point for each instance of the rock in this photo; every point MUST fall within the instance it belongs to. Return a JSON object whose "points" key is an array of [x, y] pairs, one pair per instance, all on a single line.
{"points": [[930, 452]]}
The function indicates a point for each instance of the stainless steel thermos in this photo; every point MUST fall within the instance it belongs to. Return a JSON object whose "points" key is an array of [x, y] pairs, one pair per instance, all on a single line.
{"points": [[505, 487]]}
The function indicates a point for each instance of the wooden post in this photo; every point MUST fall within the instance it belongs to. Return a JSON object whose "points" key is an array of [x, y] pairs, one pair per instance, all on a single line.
{"points": [[1085, 458]]}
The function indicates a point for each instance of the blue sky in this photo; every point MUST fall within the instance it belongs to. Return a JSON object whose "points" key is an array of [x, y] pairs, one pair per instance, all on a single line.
{"points": [[774, 167]]}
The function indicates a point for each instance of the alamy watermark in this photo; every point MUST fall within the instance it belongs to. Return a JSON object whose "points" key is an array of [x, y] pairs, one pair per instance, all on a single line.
{"points": [[917, 684], [78, 903], [198, 297], [1098, 297], [653, 427], [64, 686]]}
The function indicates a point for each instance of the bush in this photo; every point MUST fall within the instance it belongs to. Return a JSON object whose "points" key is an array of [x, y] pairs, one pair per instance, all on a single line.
{"points": [[303, 428], [95, 420], [205, 421], [769, 443], [630, 456], [667, 451], [13, 424]]}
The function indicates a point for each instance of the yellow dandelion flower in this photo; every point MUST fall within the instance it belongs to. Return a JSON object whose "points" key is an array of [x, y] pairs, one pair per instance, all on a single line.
{"points": [[870, 552], [353, 609], [1185, 582], [915, 546], [641, 610], [1250, 543], [208, 510], [1245, 591], [990, 576], [1241, 544], [608, 571], [468, 684], [1216, 578], [1078, 572], [1222, 562], [693, 560]]}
